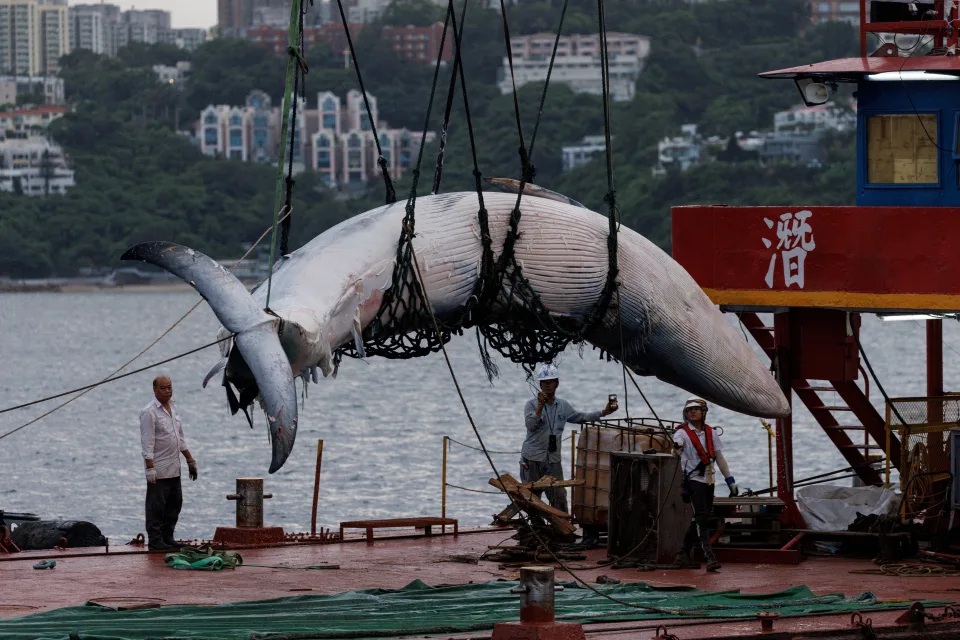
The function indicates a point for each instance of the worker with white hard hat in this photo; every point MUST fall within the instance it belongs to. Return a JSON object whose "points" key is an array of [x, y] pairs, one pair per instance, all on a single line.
{"points": [[699, 447], [545, 417]]}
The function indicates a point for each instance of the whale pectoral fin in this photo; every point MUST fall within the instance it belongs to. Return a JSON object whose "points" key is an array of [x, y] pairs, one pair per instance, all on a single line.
{"points": [[214, 370]]}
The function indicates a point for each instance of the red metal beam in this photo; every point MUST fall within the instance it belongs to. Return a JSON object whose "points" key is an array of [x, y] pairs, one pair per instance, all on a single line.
{"points": [[758, 556], [849, 258]]}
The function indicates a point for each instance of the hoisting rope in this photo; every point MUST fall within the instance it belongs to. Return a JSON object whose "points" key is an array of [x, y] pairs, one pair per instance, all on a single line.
{"points": [[527, 333], [391, 194], [402, 327], [296, 69], [458, 36]]}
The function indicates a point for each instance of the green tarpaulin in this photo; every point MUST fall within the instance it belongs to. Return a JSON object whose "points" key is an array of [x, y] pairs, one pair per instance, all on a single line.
{"points": [[414, 609]]}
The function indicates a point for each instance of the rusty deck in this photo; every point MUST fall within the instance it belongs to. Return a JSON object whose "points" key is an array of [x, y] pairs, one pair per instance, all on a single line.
{"points": [[130, 576]]}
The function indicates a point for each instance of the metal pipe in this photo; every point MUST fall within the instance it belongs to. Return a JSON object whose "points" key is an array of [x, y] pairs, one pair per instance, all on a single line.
{"points": [[537, 602], [810, 478], [769, 429], [316, 488], [573, 464], [443, 488], [935, 440], [573, 454]]}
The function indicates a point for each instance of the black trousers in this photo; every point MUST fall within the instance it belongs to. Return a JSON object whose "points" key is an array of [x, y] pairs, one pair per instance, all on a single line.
{"points": [[163, 503], [701, 498]]}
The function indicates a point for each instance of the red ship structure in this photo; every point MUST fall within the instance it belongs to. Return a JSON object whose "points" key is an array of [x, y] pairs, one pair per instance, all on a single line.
{"points": [[814, 271]]}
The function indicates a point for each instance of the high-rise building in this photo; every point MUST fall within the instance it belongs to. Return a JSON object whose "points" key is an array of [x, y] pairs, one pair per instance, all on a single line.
{"points": [[54, 27], [234, 16], [93, 27], [150, 26], [19, 46], [33, 36]]}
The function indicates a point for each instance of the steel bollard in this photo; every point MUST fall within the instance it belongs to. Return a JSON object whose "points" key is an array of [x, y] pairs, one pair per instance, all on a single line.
{"points": [[249, 497], [537, 602]]}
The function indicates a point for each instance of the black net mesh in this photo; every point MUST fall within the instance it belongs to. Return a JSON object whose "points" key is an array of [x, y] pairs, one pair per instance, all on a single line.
{"points": [[506, 310]]}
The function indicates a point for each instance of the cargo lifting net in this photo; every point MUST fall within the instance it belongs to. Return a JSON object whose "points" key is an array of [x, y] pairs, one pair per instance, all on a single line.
{"points": [[504, 308]]}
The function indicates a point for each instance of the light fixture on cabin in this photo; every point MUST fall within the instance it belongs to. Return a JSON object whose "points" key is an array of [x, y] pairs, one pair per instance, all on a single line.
{"points": [[815, 93], [908, 76], [892, 317]]}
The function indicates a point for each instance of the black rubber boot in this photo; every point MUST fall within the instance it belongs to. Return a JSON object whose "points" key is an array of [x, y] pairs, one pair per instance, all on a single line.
{"points": [[684, 561]]}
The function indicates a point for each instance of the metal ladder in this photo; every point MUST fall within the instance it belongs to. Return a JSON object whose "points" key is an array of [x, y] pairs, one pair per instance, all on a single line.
{"points": [[853, 402]]}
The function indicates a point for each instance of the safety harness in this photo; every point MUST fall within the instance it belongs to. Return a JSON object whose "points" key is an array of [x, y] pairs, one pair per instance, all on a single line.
{"points": [[707, 456]]}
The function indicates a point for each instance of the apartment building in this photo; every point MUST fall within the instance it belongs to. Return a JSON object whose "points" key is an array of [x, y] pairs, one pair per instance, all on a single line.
{"points": [[249, 133], [25, 120], [47, 90], [836, 11], [8, 91], [91, 27], [54, 28], [19, 50], [577, 62], [34, 34], [576, 155], [816, 118], [235, 17], [104, 29], [34, 166], [334, 139], [420, 44], [149, 26]]}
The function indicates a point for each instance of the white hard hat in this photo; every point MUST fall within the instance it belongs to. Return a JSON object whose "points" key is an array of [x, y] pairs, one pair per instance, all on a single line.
{"points": [[695, 402], [547, 372]]}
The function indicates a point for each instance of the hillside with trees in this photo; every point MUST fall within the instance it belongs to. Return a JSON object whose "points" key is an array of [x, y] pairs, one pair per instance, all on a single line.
{"points": [[140, 178]]}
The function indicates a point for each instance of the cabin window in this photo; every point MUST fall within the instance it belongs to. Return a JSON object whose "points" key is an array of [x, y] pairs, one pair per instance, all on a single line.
{"points": [[902, 149]]}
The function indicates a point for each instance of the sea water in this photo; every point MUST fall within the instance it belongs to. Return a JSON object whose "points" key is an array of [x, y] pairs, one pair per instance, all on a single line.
{"points": [[382, 422]]}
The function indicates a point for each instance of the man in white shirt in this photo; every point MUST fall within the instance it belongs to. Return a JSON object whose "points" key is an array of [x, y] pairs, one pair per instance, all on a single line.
{"points": [[699, 447], [162, 441]]}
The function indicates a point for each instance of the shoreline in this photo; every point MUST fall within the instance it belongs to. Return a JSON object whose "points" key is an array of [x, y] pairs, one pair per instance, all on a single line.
{"points": [[69, 287]]}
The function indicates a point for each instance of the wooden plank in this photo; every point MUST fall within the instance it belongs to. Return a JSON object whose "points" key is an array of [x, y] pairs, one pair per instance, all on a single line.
{"points": [[530, 502]]}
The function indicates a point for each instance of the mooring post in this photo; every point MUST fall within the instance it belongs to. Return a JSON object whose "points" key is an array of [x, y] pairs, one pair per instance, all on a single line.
{"points": [[537, 610], [249, 530], [249, 497]]}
